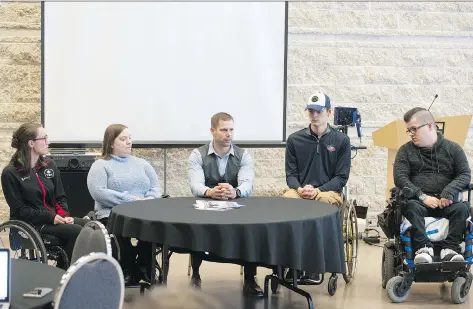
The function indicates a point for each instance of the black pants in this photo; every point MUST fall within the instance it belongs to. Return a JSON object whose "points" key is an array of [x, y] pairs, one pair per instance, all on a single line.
{"points": [[67, 233], [457, 213], [198, 257], [129, 253]]}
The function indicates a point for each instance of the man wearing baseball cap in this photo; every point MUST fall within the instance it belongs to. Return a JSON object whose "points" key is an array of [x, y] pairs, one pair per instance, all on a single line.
{"points": [[318, 157]]}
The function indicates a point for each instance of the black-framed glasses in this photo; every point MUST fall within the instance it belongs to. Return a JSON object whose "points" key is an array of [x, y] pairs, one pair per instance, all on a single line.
{"points": [[413, 130], [41, 138]]}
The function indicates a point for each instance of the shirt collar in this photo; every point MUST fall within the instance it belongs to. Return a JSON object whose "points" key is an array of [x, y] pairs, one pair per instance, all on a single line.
{"points": [[212, 150], [311, 133]]}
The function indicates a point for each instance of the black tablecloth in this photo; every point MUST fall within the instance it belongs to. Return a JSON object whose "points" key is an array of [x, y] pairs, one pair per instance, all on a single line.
{"points": [[27, 275], [300, 234]]}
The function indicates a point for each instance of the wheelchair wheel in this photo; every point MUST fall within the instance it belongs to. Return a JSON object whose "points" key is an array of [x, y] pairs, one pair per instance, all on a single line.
{"points": [[23, 241], [58, 256], [332, 284], [350, 239], [395, 292], [274, 286], [459, 293], [388, 267]]}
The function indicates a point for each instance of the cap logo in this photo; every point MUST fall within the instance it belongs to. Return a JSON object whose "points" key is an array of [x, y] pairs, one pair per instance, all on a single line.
{"points": [[315, 98]]}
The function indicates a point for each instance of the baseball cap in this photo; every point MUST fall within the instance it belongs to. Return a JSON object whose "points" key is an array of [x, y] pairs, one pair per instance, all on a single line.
{"points": [[318, 101]]}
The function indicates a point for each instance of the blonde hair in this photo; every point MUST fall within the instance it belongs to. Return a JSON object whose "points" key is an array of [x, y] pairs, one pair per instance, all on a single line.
{"points": [[217, 117]]}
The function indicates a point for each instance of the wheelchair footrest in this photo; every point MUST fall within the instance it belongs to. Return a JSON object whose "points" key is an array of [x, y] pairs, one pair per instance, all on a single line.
{"points": [[441, 266]]}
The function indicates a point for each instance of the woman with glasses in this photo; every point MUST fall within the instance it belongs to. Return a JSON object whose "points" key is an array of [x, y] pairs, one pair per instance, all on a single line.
{"points": [[33, 188]]}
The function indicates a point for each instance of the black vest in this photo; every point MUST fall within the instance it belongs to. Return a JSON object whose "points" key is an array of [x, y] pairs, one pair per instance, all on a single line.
{"points": [[210, 167]]}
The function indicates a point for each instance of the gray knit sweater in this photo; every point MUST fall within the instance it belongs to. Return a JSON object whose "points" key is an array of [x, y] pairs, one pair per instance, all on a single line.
{"points": [[438, 170], [121, 180]]}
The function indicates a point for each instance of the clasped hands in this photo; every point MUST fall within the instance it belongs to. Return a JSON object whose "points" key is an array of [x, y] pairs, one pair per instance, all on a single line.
{"points": [[223, 191], [308, 192], [60, 220], [433, 202]]}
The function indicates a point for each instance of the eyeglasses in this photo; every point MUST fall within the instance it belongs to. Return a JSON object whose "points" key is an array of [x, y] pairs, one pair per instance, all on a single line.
{"points": [[413, 130], [40, 138]]}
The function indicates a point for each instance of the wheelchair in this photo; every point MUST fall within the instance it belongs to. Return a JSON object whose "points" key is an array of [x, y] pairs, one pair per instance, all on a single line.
{"points": [[398, 268], [26, 242], [351, 237]]}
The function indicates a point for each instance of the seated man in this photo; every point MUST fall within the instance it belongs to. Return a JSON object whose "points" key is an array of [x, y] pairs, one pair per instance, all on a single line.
{"points": [[437, 171], [222, 171], [318, 158]]}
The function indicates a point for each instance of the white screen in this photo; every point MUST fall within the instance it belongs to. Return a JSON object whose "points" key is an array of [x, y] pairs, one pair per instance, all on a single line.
{"points": [[163, 69], [4, 275]]}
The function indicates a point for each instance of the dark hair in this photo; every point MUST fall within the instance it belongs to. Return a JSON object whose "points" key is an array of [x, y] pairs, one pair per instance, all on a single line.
{"points": [[111, 133], [423, 113], [217, 117], [20, 138]]}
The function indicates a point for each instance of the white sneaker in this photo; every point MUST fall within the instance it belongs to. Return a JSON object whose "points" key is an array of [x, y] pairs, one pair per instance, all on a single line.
{"points": [[424, 255], [451, 256]]}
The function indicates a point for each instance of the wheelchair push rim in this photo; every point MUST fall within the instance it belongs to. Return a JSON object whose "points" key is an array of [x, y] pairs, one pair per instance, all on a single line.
{"points": [[351, 241]]}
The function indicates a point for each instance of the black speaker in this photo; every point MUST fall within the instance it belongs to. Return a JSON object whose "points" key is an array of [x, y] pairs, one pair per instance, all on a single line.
{"points": [[74, 170]]}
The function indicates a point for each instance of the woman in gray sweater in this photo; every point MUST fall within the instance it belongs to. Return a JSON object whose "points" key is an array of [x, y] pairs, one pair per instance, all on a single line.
{"points": [[118, 178]]}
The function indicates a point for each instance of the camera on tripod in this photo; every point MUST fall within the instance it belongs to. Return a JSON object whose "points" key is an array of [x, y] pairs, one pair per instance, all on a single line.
{"points": [[345, 117]]}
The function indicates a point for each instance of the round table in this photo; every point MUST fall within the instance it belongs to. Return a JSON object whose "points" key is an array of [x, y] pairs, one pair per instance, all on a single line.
{"points": [[274, 231], [27, 275]]}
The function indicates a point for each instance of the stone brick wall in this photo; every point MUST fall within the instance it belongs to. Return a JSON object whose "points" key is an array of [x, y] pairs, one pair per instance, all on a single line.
{"points": [[382, 57]]}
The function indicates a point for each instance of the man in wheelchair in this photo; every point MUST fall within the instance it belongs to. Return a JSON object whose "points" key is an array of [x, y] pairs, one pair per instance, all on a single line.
{"points": [[436, 171]]}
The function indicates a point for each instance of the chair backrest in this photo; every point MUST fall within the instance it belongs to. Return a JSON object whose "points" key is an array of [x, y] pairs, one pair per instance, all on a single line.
{"points": [[92, 238], [93, 281]]}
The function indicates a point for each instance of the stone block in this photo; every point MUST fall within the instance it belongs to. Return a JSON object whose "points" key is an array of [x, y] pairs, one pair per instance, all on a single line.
{"points": [[352, 6], [414, 94], [402, 6], [312, 55], [456, 76], [303, 5], [311, 18], [17, 112], [309, 73], [20, 53], [347, 75], [21, 13], [364, 94], [388, 20], [367, 56], [462, 22], [459, 58], [425, 21], [269, 187], [357, 19], [452, 7], [20, 36], [20, 83], [458, 95], [269, 168]]}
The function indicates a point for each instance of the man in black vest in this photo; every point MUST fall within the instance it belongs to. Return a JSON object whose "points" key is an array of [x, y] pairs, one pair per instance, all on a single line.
{"points": [[222, 171]]}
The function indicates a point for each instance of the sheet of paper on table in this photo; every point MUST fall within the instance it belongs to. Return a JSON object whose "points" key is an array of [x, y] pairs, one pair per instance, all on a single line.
{"points": [[216, 205]]}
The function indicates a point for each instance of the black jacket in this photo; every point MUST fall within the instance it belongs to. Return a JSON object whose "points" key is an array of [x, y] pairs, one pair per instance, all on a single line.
{"points": [[321, 162], [441, 170], [37, 197]]}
